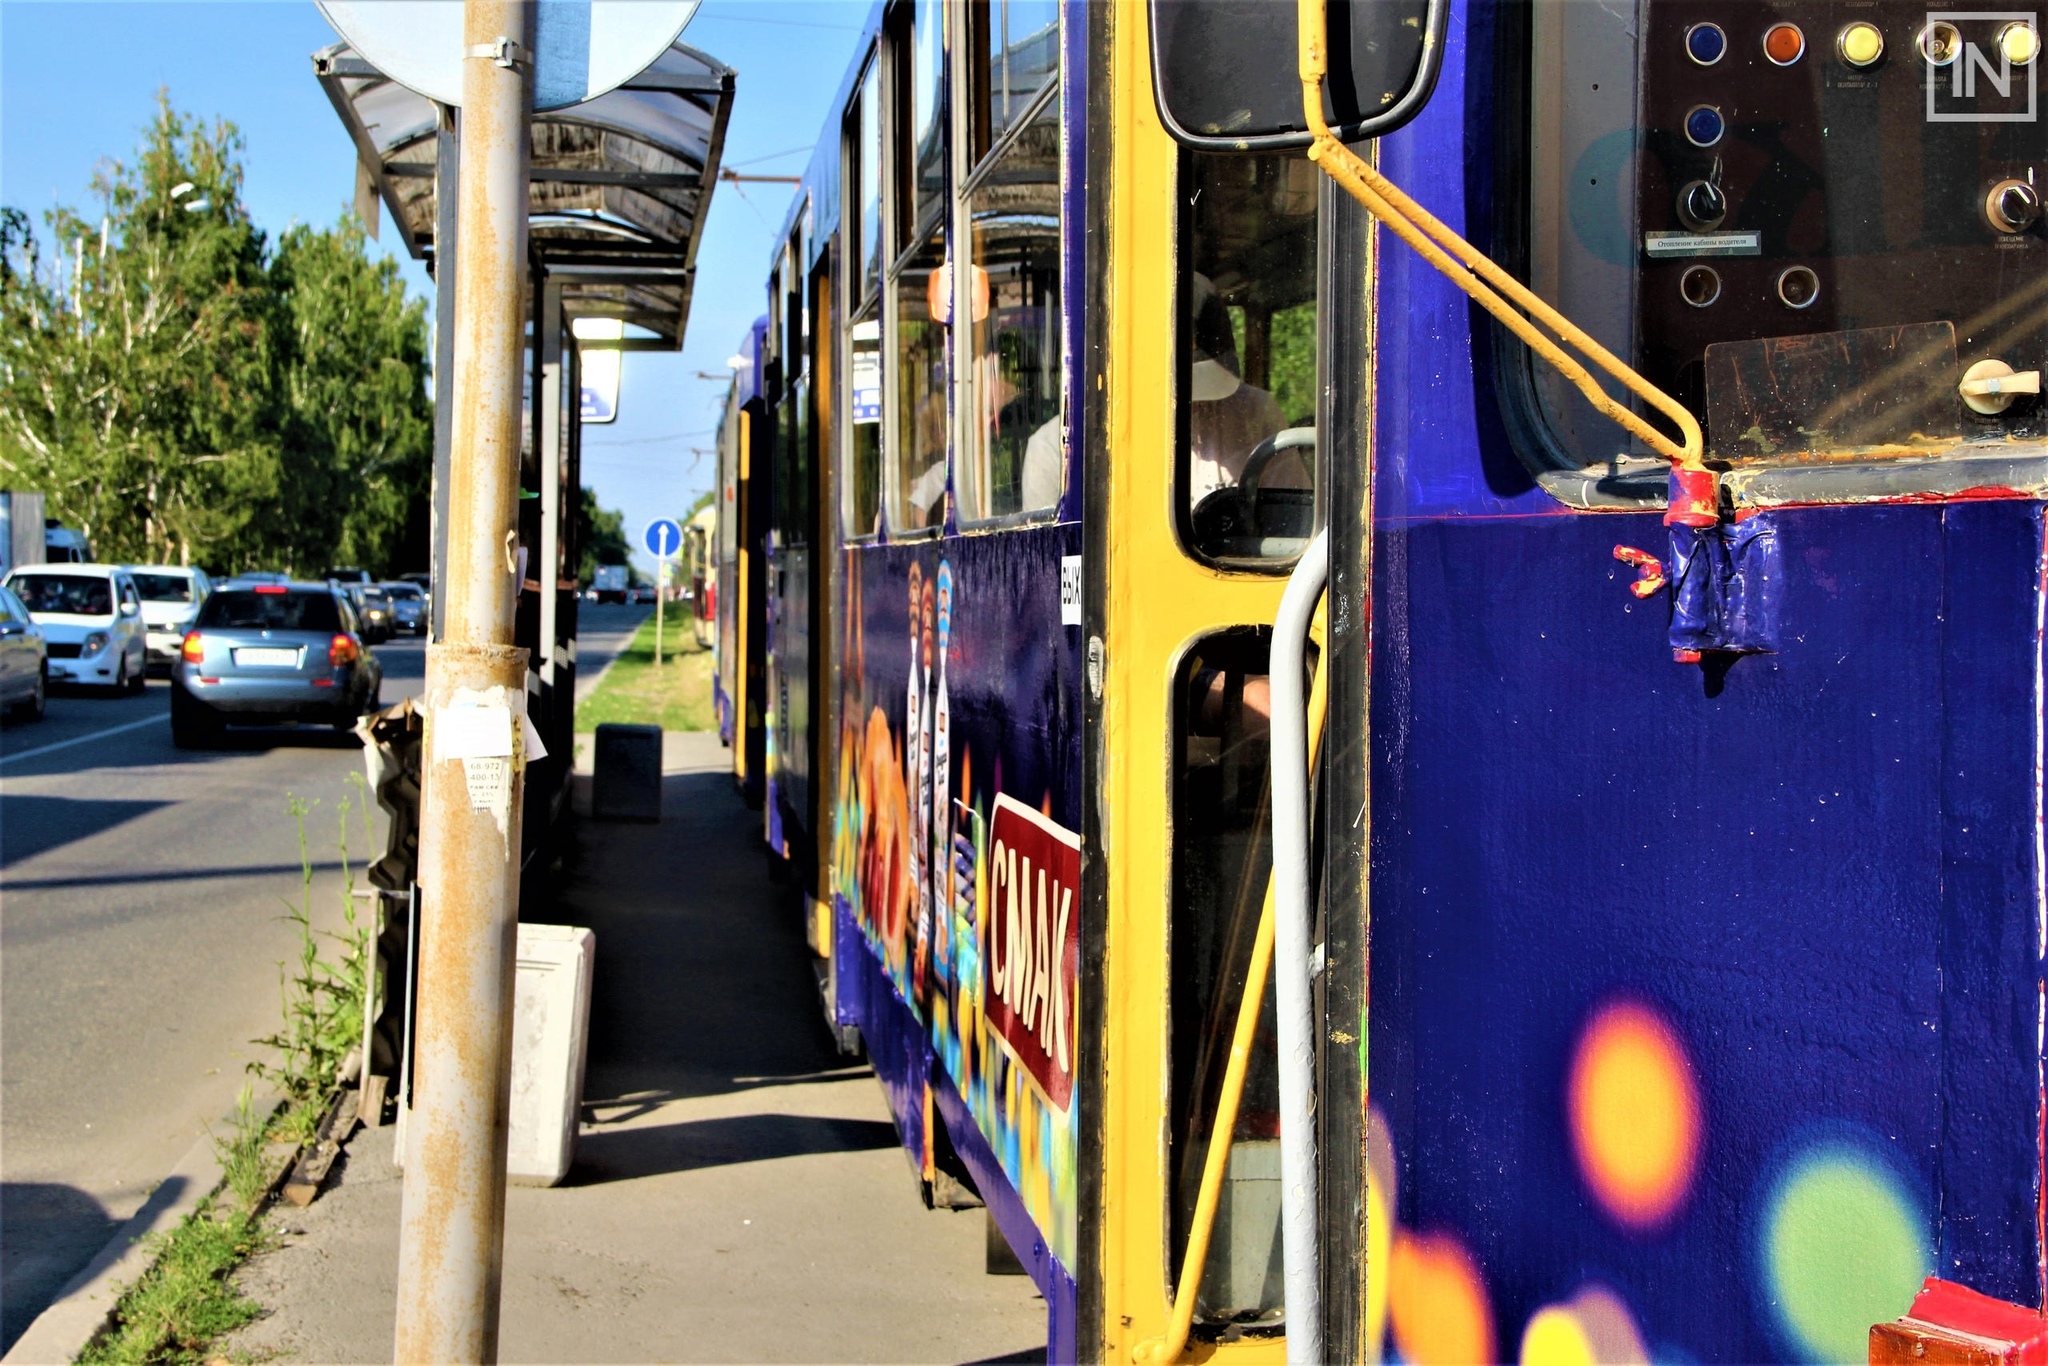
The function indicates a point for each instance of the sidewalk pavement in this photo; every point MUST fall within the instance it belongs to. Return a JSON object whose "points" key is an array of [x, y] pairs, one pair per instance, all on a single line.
{"points": [[738, 1193]]}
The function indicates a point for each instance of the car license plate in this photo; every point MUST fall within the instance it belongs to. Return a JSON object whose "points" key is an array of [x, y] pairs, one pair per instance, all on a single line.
{"points": [[267, 658]]}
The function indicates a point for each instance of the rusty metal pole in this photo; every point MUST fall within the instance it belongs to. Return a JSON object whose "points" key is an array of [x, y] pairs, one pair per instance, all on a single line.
{"points": [[451, 1239]]}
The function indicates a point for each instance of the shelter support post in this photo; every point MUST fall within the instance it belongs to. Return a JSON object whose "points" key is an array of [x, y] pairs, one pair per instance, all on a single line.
{"points": [[451, 1239], [552, 422]]}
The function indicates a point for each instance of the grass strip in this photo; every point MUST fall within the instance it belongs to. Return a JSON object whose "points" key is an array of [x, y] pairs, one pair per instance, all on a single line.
{"points": [[186, 1300], [677, 696]]}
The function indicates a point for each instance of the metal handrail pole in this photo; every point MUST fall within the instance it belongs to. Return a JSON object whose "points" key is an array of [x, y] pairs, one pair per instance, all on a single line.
{"points": [[1293, 921]]}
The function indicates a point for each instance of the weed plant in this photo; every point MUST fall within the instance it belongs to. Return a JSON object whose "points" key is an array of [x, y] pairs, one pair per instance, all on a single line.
{"points": [[322, 998]]}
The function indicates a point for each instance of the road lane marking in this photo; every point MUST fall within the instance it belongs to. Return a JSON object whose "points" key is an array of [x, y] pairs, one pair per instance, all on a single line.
{"points": [[155, 720]]}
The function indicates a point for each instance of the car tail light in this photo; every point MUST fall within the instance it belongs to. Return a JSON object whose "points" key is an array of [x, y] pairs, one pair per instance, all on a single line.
{"points": [[194, 648], [271, 588], [342, 650]]}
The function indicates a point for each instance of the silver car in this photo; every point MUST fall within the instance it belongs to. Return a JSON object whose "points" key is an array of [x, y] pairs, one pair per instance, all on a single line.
{"points": [[408, 607], [272, 653], [24, 671]]}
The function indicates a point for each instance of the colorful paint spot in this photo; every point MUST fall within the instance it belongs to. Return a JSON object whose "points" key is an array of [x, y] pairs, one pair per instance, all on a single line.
{"points": [[1592, 1328], [1634, 1111], [1380, 1203], [1437, 1302], [1844, 1245]]}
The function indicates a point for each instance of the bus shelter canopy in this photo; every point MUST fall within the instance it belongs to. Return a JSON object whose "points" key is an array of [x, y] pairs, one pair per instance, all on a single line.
{"points": [[620, 184]]}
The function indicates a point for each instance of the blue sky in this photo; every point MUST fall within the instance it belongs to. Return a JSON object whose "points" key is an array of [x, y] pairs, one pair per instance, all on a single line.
{"points": [[78, 81]]}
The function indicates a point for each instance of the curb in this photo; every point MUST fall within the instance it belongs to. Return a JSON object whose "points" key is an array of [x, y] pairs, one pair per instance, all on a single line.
{"points": [[83, 1306]]}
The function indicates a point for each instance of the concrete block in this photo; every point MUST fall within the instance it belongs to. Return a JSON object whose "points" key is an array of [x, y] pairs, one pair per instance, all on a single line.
{"points": [[625, 780]]}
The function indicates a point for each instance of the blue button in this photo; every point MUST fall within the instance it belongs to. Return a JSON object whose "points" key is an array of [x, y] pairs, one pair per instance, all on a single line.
{"points": [[1704, 126], [1705, 43]]}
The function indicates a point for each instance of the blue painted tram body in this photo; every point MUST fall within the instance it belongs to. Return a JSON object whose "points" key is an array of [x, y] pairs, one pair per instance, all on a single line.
{"points": [[1682, 949]]}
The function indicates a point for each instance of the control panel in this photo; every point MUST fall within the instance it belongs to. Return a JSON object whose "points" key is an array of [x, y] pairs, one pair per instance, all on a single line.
{"points": [[1807, 170]]}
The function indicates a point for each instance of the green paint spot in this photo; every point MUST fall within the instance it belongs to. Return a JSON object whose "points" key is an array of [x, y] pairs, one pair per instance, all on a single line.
{"points": [[1843, 1249]]}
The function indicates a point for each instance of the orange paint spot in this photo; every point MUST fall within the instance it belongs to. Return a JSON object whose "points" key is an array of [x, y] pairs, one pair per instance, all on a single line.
{"points": [[1635, 1115], [1438, 1302]]}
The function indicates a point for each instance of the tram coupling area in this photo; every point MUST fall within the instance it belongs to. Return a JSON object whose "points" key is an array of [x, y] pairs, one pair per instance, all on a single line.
{"points": [[738, 1192]]}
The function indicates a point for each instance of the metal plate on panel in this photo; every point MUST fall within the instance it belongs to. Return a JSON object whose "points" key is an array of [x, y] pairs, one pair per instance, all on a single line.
{"points": [[1833, 392]]}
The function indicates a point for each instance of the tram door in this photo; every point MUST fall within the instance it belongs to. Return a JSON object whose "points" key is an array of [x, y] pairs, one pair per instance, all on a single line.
{"points": [[1204, 492]]}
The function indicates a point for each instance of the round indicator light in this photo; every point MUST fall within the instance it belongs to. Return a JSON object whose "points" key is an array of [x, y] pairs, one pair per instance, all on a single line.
{"points": [[1798, 287], [1861, 44], [1706, 43], [2020, 43], [1704, 126], [1939, 43], [1700, 285], [1784, 44]]}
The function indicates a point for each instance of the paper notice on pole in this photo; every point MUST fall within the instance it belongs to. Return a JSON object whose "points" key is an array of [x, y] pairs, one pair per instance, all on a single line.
{"points": [[529, 738], [473, 732], [476, 728]]}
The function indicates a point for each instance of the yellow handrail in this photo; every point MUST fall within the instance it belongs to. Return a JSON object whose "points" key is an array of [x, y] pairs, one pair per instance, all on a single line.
{"points": [[1231, 1097], [1480, 277]]}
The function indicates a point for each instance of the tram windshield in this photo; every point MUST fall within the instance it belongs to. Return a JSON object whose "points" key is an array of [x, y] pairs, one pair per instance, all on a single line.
{"points": [[1248, 354], [1819, 228]]}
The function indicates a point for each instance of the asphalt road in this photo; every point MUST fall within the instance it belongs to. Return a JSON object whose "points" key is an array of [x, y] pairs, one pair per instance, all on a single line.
{"points": [[142, 895]]}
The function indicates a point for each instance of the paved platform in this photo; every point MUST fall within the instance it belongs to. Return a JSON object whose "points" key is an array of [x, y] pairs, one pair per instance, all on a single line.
{"points": [[738, 1193]]}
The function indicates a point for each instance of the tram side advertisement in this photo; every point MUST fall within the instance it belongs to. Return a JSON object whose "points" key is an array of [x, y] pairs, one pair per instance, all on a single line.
{"points": [[954, 848]]}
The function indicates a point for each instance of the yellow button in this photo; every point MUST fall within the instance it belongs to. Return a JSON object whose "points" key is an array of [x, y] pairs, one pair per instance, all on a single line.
{"points": [[2020, 43], [1860, 44]]}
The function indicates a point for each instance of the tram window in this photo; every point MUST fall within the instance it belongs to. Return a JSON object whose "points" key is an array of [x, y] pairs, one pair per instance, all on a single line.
{"points": [[864, 219], [1014, 461], [916, 450], [863, 481], [921, 141], [1016, 50], [1248, 356], [1222, 856]]}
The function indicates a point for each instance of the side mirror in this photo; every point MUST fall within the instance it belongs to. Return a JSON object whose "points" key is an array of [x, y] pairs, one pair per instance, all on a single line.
{"points": [[1226, 73], [128, 609]]}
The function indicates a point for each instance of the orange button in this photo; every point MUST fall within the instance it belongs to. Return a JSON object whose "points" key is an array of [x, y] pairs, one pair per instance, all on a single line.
{"points": [[1784, 44]]}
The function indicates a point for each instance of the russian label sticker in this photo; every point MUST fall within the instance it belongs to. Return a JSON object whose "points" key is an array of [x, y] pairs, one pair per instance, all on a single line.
{"points": [[1070, 590], [1665, 246]]}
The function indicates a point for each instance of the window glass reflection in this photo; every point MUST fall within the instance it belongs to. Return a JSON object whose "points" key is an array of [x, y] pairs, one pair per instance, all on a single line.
{"points": [[1015, 462], [927, 129], [864, 411], [1023, 53], [917, 451], [1248, 369]]}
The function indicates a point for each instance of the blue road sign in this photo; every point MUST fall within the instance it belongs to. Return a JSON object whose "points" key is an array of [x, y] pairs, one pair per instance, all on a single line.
{"points": [[664, 538]]}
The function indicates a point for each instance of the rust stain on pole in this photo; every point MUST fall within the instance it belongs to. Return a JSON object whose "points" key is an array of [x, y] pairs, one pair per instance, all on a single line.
{"points": [[451, 1239]]}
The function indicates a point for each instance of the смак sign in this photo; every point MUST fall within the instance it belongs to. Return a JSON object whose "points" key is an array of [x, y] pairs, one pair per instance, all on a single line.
{"points": [[1034, 944]]}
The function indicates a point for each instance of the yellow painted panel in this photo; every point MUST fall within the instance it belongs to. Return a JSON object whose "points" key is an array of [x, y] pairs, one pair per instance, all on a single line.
{"points": [[1159, 602]]}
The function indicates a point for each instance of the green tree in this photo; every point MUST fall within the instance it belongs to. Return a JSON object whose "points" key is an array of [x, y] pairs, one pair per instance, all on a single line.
{"points": [[602, 536], [357, 411], [180, 392], [139, 361]]}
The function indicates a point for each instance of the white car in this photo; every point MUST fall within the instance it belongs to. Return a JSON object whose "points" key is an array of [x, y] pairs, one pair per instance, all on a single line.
{"points": [[171, 597], [91, 617]]}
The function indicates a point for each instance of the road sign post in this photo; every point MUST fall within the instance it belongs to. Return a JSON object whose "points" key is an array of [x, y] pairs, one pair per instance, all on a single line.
{"points": [[663, 538]]}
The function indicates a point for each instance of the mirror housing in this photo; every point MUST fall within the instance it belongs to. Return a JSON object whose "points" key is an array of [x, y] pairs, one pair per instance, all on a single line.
{"points": [[1226, 73]]}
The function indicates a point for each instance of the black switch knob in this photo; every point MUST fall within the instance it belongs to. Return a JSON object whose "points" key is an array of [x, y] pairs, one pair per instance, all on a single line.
{"points": [[1702, 206], [2012, 206]]}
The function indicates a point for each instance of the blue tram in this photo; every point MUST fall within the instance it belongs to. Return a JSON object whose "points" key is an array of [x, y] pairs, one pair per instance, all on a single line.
{"points": [[1675, 914]]}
